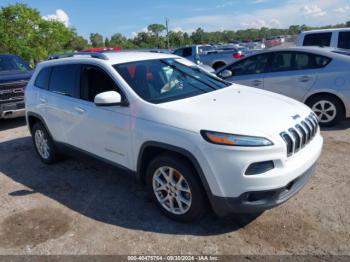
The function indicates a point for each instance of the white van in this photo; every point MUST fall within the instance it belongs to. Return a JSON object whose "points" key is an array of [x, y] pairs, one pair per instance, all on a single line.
{"points": [[335, 37]]}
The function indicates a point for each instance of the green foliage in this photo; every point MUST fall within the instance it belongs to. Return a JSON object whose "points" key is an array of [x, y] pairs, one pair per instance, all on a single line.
{"points": [[96, 40], [156, 29], [24, 32]]}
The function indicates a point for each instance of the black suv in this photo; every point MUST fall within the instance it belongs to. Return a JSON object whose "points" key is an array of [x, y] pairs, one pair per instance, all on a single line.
{"points": [[14, 76]]}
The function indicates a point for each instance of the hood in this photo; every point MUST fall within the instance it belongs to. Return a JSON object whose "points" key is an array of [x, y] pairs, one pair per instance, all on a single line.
{"points": [[236, 109], [11, 76]]}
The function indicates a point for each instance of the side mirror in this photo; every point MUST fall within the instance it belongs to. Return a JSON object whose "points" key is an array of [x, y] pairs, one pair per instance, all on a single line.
{"points": [[225, 73], [109, 98]]}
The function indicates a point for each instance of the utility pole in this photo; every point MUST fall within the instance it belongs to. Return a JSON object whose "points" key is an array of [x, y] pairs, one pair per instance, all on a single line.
{"points": [[167, 32]]}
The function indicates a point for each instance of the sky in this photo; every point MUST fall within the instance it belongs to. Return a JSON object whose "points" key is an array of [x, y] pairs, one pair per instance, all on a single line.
{"points": [[129, 17]]}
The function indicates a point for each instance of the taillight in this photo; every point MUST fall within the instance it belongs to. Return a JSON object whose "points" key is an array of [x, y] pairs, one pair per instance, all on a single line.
{"points": [[238, 55]]}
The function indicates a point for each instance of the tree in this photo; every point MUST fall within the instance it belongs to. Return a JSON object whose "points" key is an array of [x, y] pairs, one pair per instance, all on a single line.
{"points": [[77, 43], [107, 42], [118, 40], [156, 29], [198, 36], [24, 32], [96, 40]]}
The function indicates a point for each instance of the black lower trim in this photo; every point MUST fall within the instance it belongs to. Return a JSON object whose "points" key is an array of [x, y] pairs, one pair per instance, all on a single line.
{"points": [[259, 201], [79, 153]]}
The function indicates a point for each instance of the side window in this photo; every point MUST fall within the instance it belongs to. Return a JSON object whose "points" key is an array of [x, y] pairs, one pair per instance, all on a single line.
{"points": [[187, 51], [318, 39], [321, 61], [94, 81], [252, 65], [344, 40], [43, 78], [282, 61], [64, 79], [179, 52], [303, 61], [310, 61]]}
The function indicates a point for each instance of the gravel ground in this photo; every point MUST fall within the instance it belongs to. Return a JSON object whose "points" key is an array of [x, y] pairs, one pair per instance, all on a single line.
{"points": [[79, 207]]}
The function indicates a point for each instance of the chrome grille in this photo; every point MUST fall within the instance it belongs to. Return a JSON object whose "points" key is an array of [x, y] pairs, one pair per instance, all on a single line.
{"points": [[301, 134], [12, 90]]}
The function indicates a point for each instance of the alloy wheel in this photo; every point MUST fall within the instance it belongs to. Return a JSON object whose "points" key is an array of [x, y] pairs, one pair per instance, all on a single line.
{"points": [[41, 144], [172, 190], [325, 111]]}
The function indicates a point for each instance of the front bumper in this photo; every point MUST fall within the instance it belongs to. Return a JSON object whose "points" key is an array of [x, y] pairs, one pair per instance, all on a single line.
{"points": [[12, 110], [259, 201]]}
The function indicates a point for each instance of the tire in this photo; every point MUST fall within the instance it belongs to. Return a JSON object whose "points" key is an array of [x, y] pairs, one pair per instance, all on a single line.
{"points": [[44, 145], [191, 198], [328, 108]]}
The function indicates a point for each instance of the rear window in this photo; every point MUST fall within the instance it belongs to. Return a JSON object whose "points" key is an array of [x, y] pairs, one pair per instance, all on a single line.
{"points": [[318, 39], [64, 79], [43, 78], [344, 40]]}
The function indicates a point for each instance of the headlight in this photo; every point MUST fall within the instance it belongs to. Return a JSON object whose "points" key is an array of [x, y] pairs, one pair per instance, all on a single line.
{"points": [[234, 140]]}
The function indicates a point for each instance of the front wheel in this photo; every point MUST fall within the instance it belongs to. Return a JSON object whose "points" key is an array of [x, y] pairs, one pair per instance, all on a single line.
{"points": [[174, 187], [328, 109]]}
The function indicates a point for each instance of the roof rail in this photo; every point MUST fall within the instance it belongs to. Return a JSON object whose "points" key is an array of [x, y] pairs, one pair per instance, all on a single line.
{"points": [[91, 54]]}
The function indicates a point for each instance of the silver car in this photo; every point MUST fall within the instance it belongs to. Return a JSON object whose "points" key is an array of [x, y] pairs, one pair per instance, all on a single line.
{"points": [[318, 77]]}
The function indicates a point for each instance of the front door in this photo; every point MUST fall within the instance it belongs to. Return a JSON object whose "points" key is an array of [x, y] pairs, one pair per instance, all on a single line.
{"points": [[249, 71], [104, 130]]}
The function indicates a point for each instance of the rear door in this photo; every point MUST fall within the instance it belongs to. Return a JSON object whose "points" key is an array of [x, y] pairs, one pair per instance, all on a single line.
{"points": [[291, 73], [58, 103], [249, 71]]}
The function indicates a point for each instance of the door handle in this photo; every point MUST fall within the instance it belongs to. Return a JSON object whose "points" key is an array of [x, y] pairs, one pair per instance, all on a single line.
{"points": [[79, 110], [304, 78], [256, 82], [42, 100]]}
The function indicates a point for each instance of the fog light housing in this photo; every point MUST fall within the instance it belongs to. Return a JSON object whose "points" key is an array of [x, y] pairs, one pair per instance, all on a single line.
{"points": [[259, 168]]}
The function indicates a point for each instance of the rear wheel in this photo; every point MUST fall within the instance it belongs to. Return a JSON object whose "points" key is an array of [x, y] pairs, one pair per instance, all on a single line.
{"points": [[328, 108], [174, 186], [44, 144]]}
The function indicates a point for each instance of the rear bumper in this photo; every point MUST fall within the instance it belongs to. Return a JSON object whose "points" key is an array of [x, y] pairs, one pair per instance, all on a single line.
{"points": [[258, 201], [12, 110]]}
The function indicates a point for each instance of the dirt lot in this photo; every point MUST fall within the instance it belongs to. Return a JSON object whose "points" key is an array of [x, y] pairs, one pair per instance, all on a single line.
{"points": [[77, 207]]}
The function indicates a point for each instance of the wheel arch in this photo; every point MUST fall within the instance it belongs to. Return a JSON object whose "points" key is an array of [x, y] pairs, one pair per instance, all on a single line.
{"points": [[328, 93], [218, 62], [151, 149], [33, 118]]}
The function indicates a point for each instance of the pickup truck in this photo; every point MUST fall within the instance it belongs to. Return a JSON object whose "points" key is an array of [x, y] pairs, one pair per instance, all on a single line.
{"points": [[14, 76], [209, 55]]}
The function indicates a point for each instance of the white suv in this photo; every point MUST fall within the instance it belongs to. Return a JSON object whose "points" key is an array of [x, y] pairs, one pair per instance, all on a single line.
{"points": [[190, 137]]}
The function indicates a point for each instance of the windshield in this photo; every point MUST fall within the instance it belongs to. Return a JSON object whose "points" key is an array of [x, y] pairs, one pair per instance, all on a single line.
{"points": [[158, 81], [12, 63]]}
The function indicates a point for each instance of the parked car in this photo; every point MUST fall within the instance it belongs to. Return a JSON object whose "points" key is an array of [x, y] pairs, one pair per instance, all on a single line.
{"points": [[314, 76], [189, 136], [335, 37], [14, 75], [209, 55]]}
